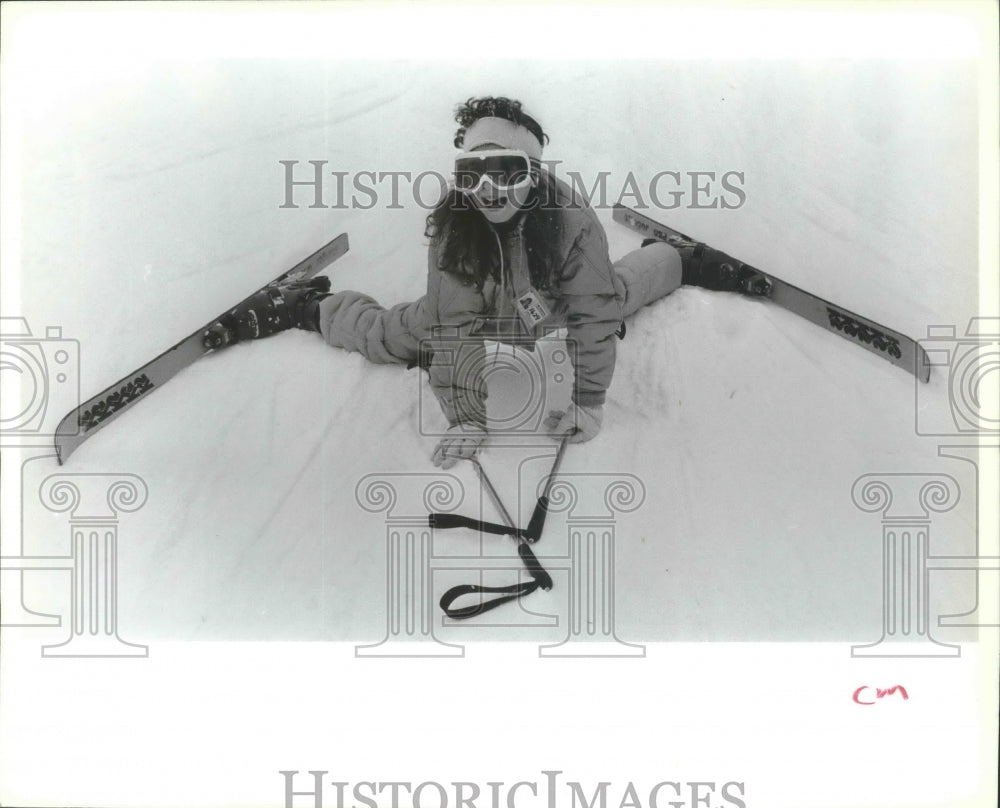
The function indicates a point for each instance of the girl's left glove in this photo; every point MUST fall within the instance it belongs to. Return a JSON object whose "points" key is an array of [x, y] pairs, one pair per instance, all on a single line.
{"points": [[582, 423], [460, 441]]}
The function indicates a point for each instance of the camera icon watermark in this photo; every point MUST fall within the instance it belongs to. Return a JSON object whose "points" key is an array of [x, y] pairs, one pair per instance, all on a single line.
{"points": [[970, 362], [522, 377], [41, 380]]}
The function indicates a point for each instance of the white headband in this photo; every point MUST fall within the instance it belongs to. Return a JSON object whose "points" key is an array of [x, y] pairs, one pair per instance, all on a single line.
{"points": [[503, 133]]}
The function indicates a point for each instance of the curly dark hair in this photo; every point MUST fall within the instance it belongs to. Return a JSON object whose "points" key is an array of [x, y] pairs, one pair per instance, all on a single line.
{"points": [[489, 107], [467, 240]]}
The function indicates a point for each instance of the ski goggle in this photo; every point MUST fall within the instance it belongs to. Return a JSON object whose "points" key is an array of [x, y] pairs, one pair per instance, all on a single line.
{"points": [[504, 169]]}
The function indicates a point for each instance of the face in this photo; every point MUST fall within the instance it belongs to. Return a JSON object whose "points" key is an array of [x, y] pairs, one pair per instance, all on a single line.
{"points": [[496, 205]]}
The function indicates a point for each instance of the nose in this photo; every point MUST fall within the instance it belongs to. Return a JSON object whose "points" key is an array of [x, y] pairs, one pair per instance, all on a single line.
{"points": [[488, 191]]}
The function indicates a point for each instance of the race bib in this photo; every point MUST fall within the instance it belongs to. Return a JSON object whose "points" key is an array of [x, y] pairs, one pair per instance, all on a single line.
{"points": [[532, 309]]}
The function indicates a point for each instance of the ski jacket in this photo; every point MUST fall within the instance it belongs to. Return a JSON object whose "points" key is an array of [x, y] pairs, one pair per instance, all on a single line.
{"points": [[587, 300]]}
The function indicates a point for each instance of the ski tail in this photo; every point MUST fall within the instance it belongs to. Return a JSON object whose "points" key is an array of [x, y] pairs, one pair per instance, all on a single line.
{"points": [[891, 345]]}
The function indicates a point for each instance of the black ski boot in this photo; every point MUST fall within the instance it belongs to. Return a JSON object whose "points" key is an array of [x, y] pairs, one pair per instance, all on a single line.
{"points": [[274, 308], [709, 268]]}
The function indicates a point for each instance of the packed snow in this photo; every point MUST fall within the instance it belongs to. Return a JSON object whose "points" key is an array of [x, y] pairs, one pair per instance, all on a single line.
{"points": [[152, 200]]}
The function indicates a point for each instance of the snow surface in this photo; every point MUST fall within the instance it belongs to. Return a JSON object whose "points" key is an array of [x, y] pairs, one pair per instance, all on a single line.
{"points": [[151, 201]]}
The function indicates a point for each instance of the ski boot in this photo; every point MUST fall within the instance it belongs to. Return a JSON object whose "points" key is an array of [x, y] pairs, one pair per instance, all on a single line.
{"points": [[709, 268], [275, 308]]}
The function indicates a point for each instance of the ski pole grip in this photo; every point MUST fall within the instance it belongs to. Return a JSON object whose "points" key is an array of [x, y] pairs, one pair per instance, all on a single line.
{"points": [[537, 571], [447, 521], [537, 522]]}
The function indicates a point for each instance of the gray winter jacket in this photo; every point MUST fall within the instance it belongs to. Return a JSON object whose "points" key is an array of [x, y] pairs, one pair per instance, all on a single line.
{"points": [[587, 299]]}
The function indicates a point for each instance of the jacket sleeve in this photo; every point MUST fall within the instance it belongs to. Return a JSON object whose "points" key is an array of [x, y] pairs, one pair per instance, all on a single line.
{"points": [[356, 322], [593, 297], [456, 367]]}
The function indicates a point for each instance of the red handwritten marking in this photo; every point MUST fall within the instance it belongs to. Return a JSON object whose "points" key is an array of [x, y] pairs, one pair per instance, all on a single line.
{"points": [[879, 694]]}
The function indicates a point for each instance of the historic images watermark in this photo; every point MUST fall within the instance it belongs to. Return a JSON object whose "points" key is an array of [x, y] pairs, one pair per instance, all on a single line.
{"points": [[313, 184], [960, 409], [48, 575], [312, 789], [906, 502], [69, 574]]}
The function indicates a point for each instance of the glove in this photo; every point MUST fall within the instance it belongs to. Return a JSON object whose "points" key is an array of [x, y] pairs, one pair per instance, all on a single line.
{"points": [[461, 441], [272, 309], [582, 423]]}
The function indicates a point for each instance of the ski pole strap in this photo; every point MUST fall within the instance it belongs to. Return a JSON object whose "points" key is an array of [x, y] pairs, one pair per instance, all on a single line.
{"points": [[446, 521], [535, 569], [539, 579], [461, 613]]}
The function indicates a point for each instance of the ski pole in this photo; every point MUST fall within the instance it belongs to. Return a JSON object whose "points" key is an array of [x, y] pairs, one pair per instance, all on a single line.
{"points": [[531, 534], [484, 478], [531, 563], [534, 530], [540, 577], [446, 521]]}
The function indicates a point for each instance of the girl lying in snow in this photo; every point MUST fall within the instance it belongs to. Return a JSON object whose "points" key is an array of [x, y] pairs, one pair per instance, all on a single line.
{"points": [[514, 255]]}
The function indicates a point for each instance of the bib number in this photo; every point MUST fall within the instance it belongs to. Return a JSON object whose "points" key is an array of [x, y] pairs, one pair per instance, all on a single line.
{"points": [[532, 309]]}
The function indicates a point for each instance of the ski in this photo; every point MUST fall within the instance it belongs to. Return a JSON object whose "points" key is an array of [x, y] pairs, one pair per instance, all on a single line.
{"points": [[97, 412], [892, 346]]}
